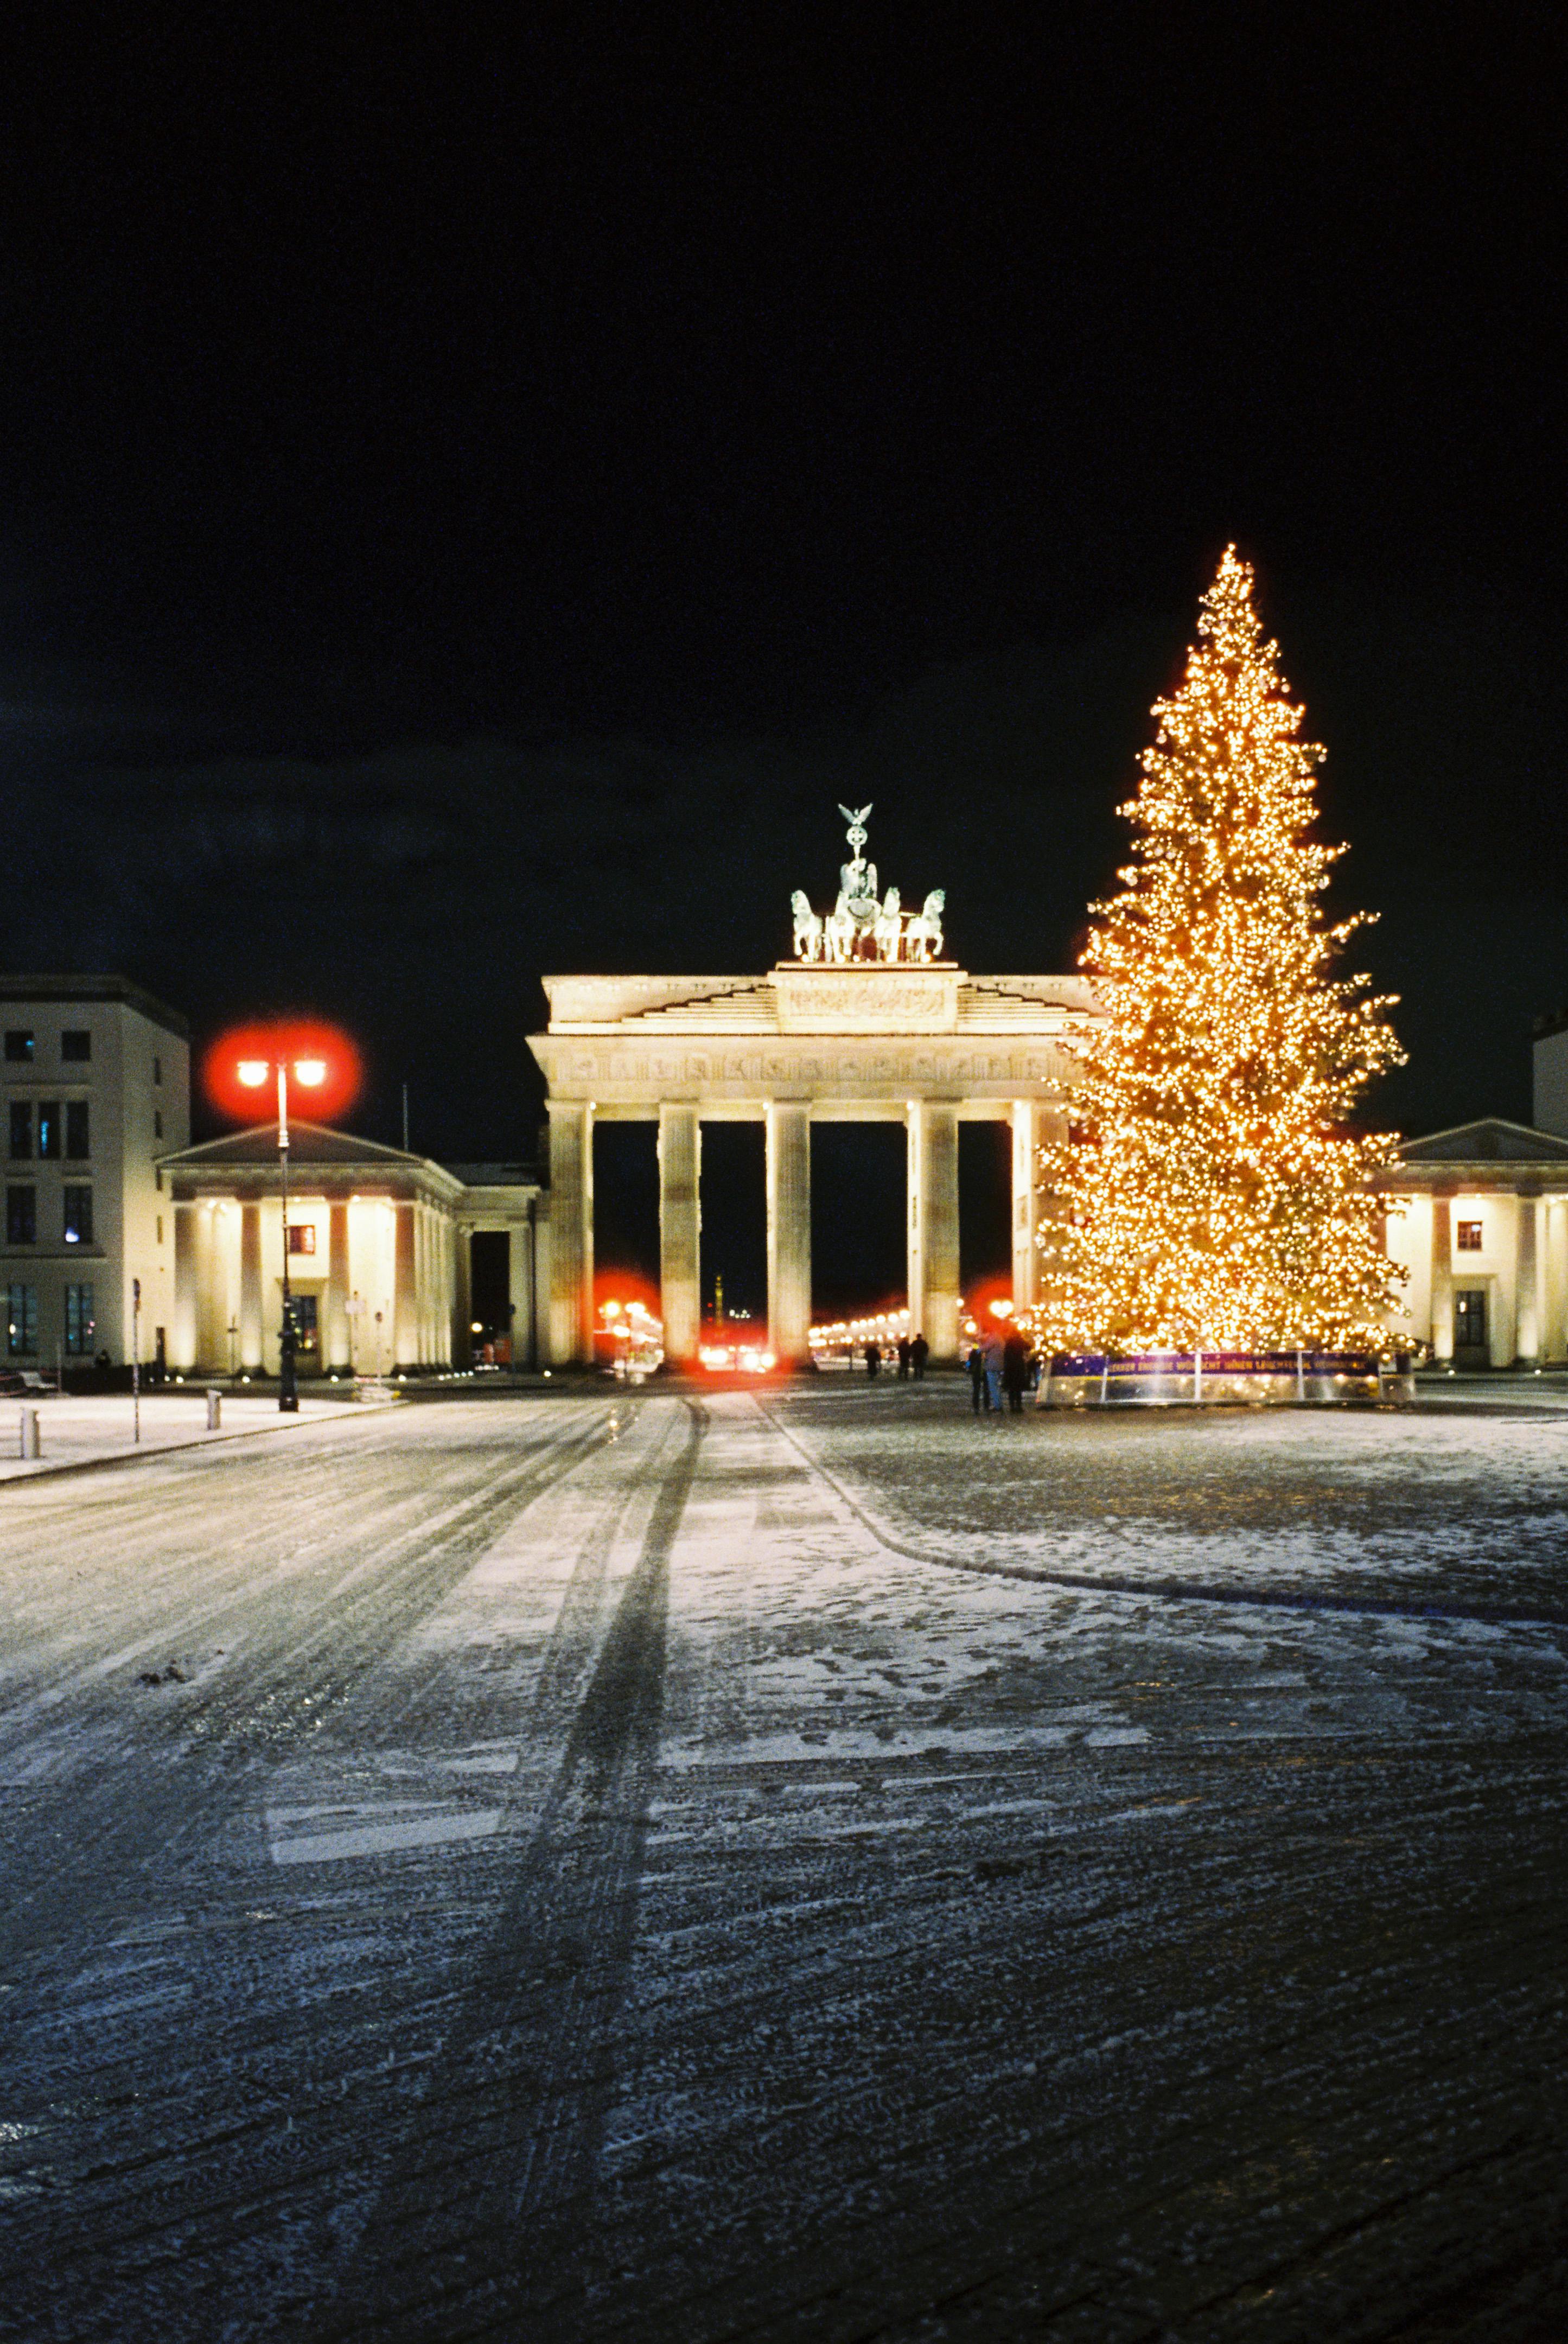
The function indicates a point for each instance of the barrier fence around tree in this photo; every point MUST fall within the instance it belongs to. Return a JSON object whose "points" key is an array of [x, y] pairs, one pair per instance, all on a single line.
{"points": [[1211, 1378]]}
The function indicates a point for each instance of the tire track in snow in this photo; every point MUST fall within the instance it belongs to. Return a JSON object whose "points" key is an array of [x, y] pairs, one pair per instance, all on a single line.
{"points": [[484, 2214], [266, 1707]]}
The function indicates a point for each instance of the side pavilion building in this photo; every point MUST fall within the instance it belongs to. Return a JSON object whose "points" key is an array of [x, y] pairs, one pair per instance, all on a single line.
{"points": [[917, 1042]]}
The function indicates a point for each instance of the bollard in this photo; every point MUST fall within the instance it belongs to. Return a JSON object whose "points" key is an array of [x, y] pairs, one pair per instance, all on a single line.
{"points": [[31, 1446], [214, 1409]]}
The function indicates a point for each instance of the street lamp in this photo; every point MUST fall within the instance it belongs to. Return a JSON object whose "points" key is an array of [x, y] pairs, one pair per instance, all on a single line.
{"points": [[311, 1073]]}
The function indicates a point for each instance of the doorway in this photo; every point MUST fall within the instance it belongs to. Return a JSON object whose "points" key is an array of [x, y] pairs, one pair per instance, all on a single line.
{"points": [[1472, 1346]]}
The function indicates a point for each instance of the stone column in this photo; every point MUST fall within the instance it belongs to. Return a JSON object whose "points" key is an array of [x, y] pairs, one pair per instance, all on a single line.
{"points": [[1528, 1340], [520, 1290], [405, 1296], [1503, 1314], [1443, 1278], [335, 1352], [788, 1129], [932, 1167], [252, 1335], [1552, 1280], [570, 1335], [463, 1294], [680, 1232], [1025, 1120], [187, 1288]]}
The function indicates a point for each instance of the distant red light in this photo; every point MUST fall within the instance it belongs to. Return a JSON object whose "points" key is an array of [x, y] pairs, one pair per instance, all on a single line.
{"points": [[239, 1072]]}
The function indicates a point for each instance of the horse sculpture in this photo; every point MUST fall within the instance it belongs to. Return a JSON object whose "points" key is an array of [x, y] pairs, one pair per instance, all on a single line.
{"points": [[922, 936], [808, 935], [887, 927]]}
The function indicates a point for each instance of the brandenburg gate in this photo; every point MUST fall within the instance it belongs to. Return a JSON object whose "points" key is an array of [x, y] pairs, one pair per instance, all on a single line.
{"points": [[867, 1024]]}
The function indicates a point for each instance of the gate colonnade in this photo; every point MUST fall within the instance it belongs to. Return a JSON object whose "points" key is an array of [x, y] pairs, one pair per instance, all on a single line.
{"points": [[927, 1046]]}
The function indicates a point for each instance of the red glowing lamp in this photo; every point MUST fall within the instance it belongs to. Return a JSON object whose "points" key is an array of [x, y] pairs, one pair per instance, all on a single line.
{"points": [[320, 1062]]}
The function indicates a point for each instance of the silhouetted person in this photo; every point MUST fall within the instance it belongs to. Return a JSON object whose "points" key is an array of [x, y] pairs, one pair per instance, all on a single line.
{"points": [[977, 1367], [903, 1359], [991, 1360], [919, 1352], [873, 1359], [1015, 1370]]}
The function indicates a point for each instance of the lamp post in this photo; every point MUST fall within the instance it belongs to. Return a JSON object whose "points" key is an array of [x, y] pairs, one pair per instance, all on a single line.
{"points": [[311, 1073]]}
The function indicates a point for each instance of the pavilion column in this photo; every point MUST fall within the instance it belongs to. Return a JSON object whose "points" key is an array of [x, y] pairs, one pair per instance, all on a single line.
{"points": [[187, 1288], [788, 1129], [1528, 1341], [933, 1172], [571, 1231], [1503, 1329], [463, 1295], [1443, 1278], [335, 1351], [1552, 1280], [680, 1232], [405, 1298], [252, 1336], [1026, 1121]]}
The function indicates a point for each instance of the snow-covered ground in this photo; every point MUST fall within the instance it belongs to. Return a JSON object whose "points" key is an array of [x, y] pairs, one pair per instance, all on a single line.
{"points": [[88, 1428], [654, 1867]]}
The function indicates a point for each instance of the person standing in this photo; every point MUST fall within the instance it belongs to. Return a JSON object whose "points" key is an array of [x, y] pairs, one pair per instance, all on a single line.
{"points": [[991, 1355], [919, 1352], [1014, 1369], [977, 1367], [904, 1359], [873, 1359]]}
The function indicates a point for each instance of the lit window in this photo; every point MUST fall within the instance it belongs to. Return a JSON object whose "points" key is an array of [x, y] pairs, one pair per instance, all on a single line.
{"points": [[76, 1045], [1467, 1237], [79, 1321], [22, 1322], [21, 1216], [18, 1043], [78, 1223], [48, 1129], [21, 1130], [301, 1237], [76, 1147]]}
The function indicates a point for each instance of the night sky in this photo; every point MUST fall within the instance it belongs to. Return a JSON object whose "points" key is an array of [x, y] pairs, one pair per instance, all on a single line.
{"points": [[476, 497]]}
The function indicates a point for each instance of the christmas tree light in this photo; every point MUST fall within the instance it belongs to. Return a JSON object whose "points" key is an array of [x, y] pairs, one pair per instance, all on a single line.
{"points": [[1208, 1194]]}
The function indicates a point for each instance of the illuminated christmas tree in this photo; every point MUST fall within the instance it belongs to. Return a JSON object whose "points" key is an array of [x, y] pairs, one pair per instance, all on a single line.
{"points": [[1208, 1194]]}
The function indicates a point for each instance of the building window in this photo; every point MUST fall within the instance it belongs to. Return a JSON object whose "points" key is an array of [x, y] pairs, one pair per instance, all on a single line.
{"points": [[18, 1043], [301, 1237], [76, 1147], [1467, 1237], [78, 1227], [1469, 1318], [157, 1070], [21, 1216], [75, 1045], [157, 1123], [80, 1325], [21, 1130], [48, 1129], [22, 1322]]}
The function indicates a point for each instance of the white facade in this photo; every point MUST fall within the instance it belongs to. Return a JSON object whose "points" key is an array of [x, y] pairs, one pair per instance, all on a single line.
{"points": [[96, 1077], [1479, 1222], [377, 1253]]}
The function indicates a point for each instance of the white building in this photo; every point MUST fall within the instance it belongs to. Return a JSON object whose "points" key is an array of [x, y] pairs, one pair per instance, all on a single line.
{"points": [[97, 1089], [1480, 1228], [378, 1253]]}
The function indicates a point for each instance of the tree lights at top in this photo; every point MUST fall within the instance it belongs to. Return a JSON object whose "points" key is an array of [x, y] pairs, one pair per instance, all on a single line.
{"points": [[1208, 1192]]}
